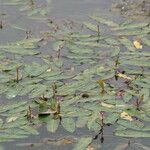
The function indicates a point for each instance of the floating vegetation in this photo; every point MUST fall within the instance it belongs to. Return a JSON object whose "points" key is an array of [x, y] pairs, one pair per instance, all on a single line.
{"points": [[87, 80]]}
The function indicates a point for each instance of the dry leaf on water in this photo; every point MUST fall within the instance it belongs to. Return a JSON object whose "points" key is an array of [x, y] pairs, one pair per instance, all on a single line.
{"points": [[107, 105], [90, 147], [124, 76], [11, 119], [137, 44], [126, 116]]}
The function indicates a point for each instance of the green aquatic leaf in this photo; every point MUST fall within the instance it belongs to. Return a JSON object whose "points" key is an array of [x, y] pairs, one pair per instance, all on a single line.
{"points": [[127, 97], [145, 92], [142, 63], [127, 43], [82, 143], [104, 21], [90, 26], [146, 41], [131, 26], [73, 48], [112, 41], [29, 129], [5, 78], [11, 106], [92, 123], [13, 2], [111, 118], [12, 65], [132, 124], [11, 137], [13, 91], [35, 69], [93, 44], [68, 124], [136, 32], [38, 91], [52, 125], [24, 47], [132, 133], [81, 122], [58, 45]]}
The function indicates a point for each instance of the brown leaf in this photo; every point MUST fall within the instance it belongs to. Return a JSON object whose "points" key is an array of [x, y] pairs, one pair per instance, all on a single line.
{"points": [[90, 147], [137, 44], [126, 116]]}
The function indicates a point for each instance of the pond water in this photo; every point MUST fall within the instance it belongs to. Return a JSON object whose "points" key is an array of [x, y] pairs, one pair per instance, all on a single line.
{"points": [[19, 25]]}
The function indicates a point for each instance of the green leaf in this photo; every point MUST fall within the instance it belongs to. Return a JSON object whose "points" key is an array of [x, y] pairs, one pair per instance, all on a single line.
{"points": [[82, 143], [58, 45], [105, 21], [81, 122], [93, 122], [136, 32], [38, 90], [112, 41], [11, 106], [35, 69], [131, 26], [68, 124], [127, 43], [91, 26], [142, 63], [52, 125], [132, 133], [13, 91], [146, 41], [23, 47], [29, 129], [132, 124], [111, 118]]}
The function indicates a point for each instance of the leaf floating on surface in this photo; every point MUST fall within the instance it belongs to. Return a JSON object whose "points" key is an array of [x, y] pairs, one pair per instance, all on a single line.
{"points": [[104, 21], [131, 133], [68, 124], [91, 26], [52, 125], [127, 43], [82, 143], [23, 47], [131, 26]]}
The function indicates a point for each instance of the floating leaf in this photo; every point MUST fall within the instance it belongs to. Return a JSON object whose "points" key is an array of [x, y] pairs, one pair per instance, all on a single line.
{"points": [[68, 124], [131, 133], [82, 143], [127, 43], [130, 26], [22, 47], [91, 26], [35, 69], [105, 21], [93, 122], [52, 125]]}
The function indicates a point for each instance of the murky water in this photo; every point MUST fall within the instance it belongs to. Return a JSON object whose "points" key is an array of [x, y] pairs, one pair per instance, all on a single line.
{"points": [[77, 10]]}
